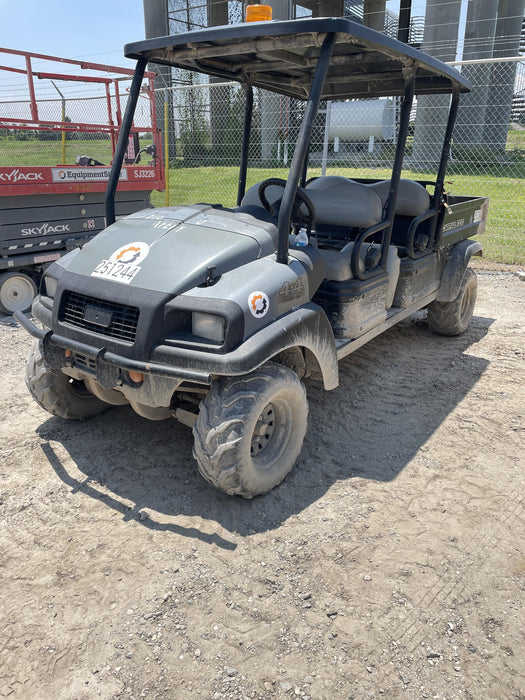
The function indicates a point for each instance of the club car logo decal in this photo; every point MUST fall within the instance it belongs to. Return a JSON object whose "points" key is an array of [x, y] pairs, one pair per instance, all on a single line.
{"points": [[258, 304], [123, 264]]}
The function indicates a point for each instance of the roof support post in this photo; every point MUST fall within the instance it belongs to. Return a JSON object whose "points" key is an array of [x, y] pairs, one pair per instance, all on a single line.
{"points": [[445, 153], [448, 138], [122, 142], [405, 11], [404, 119], [301, 147], [243, 169], [374, 14]]}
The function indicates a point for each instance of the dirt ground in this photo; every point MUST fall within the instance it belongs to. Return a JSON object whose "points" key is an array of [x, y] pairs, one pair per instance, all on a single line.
{"points": [[390, 563]]}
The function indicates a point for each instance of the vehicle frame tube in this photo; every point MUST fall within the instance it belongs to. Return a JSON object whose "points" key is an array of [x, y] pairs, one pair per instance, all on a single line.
{"points": [[122, 142], [301, 148], [445, 154], [243, 168], [404, 120]]}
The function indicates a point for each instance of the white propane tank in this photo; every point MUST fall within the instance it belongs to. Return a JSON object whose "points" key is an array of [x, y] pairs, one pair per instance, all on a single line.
{"points": [[359, 120]]}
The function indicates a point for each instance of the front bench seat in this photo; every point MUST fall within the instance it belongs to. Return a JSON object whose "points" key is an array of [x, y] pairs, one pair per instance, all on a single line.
{"points": [[338, 201]]}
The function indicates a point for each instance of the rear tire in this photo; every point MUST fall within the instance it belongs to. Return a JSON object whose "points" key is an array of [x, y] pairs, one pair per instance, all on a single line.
{"points": [[57, 393], [453, 317], [250, 430], [17, 291]]}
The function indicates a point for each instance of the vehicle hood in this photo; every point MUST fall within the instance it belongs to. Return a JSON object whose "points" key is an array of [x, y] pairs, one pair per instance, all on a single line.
{"points": [[174, 247]]}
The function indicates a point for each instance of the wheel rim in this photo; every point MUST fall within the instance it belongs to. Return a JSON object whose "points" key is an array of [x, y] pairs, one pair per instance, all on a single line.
{"points": [[264, 430], [17, 293], [271, 433]]}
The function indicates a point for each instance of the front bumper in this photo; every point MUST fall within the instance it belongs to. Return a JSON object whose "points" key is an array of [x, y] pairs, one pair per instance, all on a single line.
{"points": [[106, 365], [307, 327]]}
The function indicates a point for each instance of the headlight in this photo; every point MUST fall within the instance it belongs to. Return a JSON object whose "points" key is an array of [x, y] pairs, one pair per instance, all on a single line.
{"points": [[50, 286], [207, 326]]}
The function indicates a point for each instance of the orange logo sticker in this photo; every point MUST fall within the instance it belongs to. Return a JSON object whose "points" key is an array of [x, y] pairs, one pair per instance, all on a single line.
{"points": [[131, 254], [258, 303]]}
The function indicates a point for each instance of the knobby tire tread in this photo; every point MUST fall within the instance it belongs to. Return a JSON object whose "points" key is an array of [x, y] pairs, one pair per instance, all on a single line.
{"points": [[222, 425]]}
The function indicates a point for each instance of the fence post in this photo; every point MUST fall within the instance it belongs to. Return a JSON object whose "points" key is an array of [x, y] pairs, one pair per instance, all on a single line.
{"points": [[63, 99], [166, 152]]}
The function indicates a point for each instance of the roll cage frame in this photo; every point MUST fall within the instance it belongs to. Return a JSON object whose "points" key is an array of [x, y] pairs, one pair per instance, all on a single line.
{"points": [[313, 60]]}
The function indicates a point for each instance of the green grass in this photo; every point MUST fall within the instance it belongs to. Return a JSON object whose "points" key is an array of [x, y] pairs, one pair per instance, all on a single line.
{"points": [[503, 241], [46, 153], [516, 139]]}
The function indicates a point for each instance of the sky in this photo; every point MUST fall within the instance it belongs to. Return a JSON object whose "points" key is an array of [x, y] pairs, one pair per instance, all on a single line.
{"points": [[95, 29]]}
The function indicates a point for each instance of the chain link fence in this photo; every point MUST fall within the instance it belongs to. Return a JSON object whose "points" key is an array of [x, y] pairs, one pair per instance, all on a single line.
{"points": [[49, 145], [52, 118], [357, 139], [204, 121]]}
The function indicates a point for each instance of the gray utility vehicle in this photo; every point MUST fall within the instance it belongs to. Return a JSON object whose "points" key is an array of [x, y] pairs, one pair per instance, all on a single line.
{"points": [[208, 314]]}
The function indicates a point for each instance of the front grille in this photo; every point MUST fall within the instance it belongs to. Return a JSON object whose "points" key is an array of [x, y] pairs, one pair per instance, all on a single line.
{"points": [[121, 319]]}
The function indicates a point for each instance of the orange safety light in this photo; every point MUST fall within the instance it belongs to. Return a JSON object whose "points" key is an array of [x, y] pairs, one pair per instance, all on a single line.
{"points": [[136, 377], [258, 13]]}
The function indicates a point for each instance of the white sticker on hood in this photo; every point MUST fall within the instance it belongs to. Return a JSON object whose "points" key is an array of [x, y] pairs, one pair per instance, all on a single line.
{"points": [[123, 264], [258, 304]]}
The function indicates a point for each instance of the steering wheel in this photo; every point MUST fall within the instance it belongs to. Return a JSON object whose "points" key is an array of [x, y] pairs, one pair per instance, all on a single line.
{"points": [[301, 198]]}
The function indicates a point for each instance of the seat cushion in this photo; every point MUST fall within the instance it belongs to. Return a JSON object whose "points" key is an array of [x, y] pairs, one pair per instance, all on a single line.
{"points": [[412, 198], [338, 267], [337, 264], [342, 202]]}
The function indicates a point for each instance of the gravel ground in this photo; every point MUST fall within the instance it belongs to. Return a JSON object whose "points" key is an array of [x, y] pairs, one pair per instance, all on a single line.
{"points": [[390, 563]]}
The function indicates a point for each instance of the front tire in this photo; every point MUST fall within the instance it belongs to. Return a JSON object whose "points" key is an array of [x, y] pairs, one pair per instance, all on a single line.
{"points": [[250, 430], [57, 393], [453, 317]]}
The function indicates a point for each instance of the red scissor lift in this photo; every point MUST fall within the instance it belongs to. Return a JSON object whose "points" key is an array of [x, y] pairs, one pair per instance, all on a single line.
{"points": [[47, 210]]}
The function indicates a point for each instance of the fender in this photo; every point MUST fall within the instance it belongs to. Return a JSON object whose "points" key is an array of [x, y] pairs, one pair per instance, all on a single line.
{"points": [[452, 276], [306, 327]]}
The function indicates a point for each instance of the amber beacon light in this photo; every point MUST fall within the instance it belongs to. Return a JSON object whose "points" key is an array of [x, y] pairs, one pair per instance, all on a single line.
{"points": [[258, 13]]}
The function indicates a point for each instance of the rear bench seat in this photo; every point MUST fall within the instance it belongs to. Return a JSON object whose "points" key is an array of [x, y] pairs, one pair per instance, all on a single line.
{"points": [[412, 198]]}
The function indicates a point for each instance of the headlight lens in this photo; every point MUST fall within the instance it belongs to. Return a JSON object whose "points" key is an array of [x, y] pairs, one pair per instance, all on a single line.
{"points": [[208, 326], [50, 285]]}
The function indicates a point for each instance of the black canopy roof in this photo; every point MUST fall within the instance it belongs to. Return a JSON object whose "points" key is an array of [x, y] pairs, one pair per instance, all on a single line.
{"points": [[282, 57]]}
